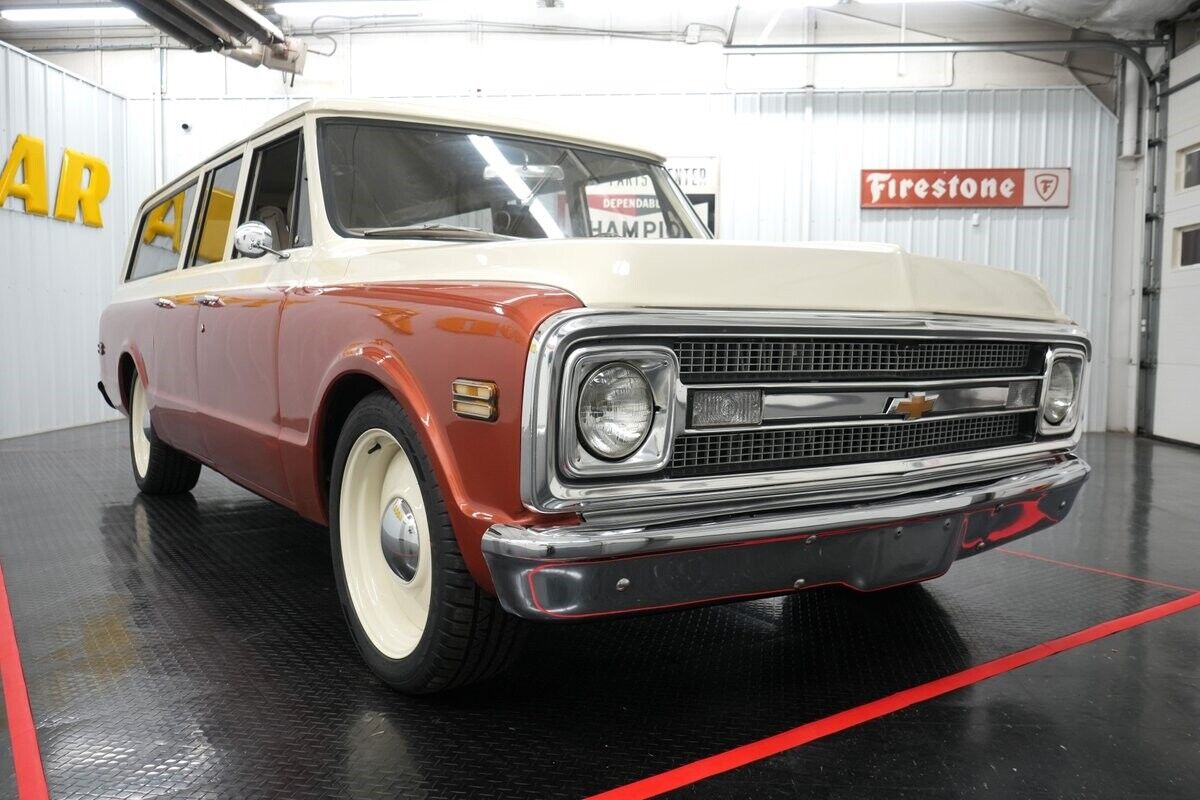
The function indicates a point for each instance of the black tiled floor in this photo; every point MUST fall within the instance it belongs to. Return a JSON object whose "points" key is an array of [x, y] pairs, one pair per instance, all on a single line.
{"points": [[193, 647]]}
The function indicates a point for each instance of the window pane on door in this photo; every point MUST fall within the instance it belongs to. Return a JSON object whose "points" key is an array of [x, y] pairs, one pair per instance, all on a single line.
{"points": [[218, 214], [273, 195], [160, 235], [1191, 169], [1189, 247]]}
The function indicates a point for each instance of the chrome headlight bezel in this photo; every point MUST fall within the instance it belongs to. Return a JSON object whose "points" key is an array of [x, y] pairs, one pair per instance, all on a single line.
{"points": [[1069, 422], [659, 367]]}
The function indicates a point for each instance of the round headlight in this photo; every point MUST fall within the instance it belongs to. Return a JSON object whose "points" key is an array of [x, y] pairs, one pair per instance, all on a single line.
{"points": [[1060, 395], [616, 409]]}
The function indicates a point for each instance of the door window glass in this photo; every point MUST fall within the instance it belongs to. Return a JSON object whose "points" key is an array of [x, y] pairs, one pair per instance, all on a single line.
{"points": [[274, 192], [160, 235], [217, 214]]}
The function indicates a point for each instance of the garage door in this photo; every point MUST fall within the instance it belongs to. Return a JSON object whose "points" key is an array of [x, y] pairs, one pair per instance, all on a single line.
{"points": [[1178, 382]]}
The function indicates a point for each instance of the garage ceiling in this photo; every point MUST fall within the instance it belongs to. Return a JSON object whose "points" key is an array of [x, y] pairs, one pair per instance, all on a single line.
{"points": [[756, 20], [1121, 18]]}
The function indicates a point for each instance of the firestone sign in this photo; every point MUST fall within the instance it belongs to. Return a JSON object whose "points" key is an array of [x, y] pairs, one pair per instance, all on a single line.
{"points": [[966, 188]]}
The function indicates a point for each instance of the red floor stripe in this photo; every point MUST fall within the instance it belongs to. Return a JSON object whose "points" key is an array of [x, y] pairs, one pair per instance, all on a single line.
{"points": [[773, 745], [1097, 570], [27, 759]]}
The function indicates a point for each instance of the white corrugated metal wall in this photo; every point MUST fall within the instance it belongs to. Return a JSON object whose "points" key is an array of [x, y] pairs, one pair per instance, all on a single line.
{"points": [[790, 166], [55, 276], [789, 171]]}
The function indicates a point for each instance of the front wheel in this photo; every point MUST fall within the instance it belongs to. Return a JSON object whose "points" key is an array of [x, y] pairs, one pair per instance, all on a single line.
{"points": [[416, 614], [158, 468]]}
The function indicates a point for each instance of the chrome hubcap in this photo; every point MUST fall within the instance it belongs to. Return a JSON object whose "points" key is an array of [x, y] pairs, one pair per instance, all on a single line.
{"points": [[146, 422], [400, 538]]}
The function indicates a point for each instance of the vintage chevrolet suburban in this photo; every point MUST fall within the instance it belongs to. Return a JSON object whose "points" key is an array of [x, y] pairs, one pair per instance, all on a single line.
{"points": [[511, 371]]}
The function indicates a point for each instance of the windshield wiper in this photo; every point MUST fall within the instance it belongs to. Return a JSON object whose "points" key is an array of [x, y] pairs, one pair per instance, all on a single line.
{"points": [[435, 231]]}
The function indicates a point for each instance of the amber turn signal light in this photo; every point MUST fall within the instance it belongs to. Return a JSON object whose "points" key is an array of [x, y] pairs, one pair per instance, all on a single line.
{"points": [[474, 399]]}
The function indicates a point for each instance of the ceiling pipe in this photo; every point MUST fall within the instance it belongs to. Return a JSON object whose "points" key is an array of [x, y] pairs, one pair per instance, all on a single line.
{"points": [[1128, 49]]}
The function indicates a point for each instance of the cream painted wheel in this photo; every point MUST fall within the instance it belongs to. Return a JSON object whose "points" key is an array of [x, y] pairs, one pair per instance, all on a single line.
{"points": [[139, 428], [158, 468], [418, 617], [381, 503]]}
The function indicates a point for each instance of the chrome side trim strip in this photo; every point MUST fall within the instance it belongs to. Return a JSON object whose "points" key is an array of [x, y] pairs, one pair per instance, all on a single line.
{"points": [[544, 490]]}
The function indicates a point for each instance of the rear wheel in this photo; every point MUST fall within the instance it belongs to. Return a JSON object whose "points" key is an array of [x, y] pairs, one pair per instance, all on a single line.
{"points": [[418, 617], [158, 468]]}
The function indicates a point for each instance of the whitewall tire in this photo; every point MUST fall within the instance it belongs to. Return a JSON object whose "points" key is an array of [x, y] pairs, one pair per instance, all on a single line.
{"points": [[416, 614], [158, 468]]}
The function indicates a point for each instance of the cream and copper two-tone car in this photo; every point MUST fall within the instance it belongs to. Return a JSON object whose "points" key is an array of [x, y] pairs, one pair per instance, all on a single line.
{"points": [[513, 373]]}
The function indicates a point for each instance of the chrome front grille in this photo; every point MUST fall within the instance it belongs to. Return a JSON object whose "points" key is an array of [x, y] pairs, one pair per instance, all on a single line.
{"points": [[767, 358], [798, 405], [764, 449]]}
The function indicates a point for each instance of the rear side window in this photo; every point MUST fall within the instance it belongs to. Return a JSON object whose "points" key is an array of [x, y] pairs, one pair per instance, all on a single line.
{"points": [[160, 235], [218, 213]]}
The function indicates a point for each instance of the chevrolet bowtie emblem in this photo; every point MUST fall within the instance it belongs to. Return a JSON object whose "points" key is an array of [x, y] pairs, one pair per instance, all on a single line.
{"points": [[914, 406]]}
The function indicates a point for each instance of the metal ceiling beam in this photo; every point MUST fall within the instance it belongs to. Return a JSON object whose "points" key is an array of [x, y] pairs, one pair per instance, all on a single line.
{"points": [[174, 24]]}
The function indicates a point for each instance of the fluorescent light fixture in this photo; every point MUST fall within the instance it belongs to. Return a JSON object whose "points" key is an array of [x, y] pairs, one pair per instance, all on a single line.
{"points": [[69, 14], [786, 4], [349, 8], [915, 2]]}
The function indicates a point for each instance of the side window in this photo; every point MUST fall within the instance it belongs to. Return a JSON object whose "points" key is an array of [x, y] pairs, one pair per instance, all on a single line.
{"points": [[217, 214], [278, 193], [160, 235]]}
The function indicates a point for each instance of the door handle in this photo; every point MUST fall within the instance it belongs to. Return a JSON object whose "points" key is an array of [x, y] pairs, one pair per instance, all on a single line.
{"points": [[164, 302], [210, 300]]}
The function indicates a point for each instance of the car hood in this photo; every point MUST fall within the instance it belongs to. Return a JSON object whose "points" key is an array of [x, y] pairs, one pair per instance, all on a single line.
{"points": [[626, 273]]}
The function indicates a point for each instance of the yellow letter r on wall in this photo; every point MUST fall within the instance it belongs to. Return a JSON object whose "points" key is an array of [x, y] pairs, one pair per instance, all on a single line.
{"points": [[73, 195]]}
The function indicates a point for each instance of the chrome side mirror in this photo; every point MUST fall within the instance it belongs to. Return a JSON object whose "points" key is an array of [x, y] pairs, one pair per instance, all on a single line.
{"points": [[253, 239]]}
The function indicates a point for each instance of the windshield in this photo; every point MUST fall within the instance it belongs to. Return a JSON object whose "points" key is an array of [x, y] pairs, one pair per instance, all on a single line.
{"points": [[391, 180]]}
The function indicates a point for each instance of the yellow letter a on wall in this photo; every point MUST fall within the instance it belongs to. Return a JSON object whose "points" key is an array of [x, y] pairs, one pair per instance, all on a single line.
{"points": [[73, 195], [28, 155]]}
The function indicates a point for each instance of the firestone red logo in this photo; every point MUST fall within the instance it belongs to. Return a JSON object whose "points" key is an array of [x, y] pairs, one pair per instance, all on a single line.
{"points": [[966, 188]]}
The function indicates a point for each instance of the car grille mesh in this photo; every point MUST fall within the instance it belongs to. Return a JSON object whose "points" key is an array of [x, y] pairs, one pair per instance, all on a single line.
{"points": [[714, 453], [780, 358]]}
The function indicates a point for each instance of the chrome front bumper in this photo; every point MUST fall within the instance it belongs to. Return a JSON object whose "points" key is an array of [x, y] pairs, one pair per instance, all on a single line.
{"points": [[583, 571]]}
